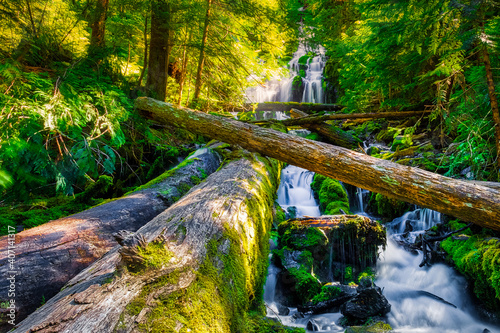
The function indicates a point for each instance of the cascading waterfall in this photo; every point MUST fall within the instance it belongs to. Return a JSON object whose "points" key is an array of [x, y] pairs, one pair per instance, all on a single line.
{"points": [[295, 191], [281, 89]]}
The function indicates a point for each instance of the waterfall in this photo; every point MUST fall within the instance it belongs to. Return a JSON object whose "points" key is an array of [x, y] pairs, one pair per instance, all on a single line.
{"points": [[280, 89], [295, 191]]}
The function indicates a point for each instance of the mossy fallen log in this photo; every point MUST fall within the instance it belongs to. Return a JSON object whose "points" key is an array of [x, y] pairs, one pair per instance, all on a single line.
{"points": [[331, 134], [47, 256], [198, 266], [469, 202]]}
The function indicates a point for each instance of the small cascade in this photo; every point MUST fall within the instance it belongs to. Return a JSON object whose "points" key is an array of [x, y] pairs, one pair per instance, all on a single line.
{"points": [[295, 191], [414, 222]]}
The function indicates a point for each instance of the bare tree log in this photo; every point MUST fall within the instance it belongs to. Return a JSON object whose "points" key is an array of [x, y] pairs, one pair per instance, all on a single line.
{"points": [[313, 119], [331, 134], [47, 256], [472, 203], [222, 225]]}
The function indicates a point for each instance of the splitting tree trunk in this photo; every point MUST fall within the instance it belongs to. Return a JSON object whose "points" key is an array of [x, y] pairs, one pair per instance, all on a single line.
{"points": [[469, 202], [222, 225], [48, 256]]}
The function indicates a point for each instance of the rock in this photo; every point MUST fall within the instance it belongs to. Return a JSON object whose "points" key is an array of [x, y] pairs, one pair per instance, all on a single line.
{"points": [[291, 212], [367, 303], [283, 310], [298, 315], [312, 325]]}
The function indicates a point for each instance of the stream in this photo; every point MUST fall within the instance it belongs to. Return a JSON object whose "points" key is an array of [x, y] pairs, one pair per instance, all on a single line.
{"points": [[408, 287], [404, 283]]}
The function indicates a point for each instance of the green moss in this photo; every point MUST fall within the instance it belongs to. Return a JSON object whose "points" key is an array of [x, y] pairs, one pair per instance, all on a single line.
{"points": [[155, 255], [306, 286], [387, 207], [327, 292], [313, 136], [295, 235], [260, 324], [331, 195], [377, 327], [478, 258]]}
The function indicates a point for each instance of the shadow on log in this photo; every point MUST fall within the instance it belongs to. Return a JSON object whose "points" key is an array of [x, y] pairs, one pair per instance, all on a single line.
{"points": [[197, 266], [47, 256], [472, 203]]}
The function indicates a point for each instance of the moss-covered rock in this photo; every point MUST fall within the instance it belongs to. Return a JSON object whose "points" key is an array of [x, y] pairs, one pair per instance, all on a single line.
{"points": [[478, 258], [331, 195], [314, 255], [387, 207]]}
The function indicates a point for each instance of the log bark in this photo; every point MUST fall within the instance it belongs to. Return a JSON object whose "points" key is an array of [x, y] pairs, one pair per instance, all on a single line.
{"points": [[47, 256], [471, 203], [331, 134], [278, 106], [221, 222]]}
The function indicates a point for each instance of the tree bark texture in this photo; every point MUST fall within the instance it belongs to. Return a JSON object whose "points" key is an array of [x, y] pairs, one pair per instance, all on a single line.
{"points": [[99, 24], [156, 81], [47, 256], [222, 225], [493, 103], [201, 59], [331, 134], [472, 203]]}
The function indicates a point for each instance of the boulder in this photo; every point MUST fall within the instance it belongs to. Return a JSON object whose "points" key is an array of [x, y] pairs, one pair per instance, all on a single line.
{"points": [[369, 302]]}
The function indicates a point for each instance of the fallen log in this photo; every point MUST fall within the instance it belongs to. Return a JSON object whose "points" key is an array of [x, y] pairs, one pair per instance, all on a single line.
{"points": [[331, 134], [197, 266], [469, 202], [315, 119], [48, 256], [286, 106]]}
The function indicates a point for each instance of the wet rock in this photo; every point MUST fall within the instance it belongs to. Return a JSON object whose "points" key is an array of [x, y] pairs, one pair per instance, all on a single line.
{"points": [[282, 310], [298, 315], [291, 212], [367, 303], [312, 325]]}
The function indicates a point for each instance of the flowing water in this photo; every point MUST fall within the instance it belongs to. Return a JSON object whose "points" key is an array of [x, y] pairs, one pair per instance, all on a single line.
{"points": [[423, 299]]}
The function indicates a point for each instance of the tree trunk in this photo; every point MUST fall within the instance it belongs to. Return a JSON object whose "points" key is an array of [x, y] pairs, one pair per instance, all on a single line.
{"points": [[472, 203], [215, 242], [184, 65], [331, 134], [99, 25], [493, 103], [280, 106], [201, 60], [156, 82], [145, 64], [47, 256]]}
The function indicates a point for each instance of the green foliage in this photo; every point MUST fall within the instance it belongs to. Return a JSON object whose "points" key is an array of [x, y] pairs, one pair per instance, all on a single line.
{"points": [[261, 324]]}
